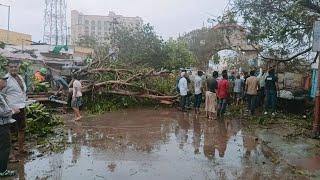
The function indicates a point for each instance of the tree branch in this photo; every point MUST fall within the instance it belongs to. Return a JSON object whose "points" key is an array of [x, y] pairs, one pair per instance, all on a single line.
{"points": [[308, 4], [285, 60], [315, 58]]}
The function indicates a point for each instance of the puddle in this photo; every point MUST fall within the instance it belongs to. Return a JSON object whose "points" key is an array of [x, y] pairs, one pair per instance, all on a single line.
{"points": [[155, 144]]}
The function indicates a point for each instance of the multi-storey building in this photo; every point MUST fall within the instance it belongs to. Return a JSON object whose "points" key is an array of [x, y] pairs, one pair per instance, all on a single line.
{"points": [[100, 27]]}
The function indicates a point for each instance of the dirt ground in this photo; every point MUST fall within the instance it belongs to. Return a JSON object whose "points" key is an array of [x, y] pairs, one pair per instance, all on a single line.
{"points": [[167, 144]]}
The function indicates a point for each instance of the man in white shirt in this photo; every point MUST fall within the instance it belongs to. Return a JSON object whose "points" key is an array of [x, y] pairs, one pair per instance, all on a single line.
{"points": [[5, 120], [76, 98], [198, 91], [16, 97], [261, 92], [183, 87]]}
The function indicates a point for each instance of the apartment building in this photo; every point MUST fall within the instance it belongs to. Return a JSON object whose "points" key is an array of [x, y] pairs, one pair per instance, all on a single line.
{"points": [[100, 27]]}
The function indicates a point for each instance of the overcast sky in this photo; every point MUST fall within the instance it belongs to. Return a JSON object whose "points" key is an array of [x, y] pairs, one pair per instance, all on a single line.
{"points": [[169, 17]]}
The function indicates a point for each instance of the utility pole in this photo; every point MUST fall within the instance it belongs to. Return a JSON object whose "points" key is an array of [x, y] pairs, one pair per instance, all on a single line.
{"points": [[9, 11], [317, 106], [316, 48]]}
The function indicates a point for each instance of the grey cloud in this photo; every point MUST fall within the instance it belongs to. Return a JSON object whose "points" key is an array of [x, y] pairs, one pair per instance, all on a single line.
{"points": [[169, 17]]}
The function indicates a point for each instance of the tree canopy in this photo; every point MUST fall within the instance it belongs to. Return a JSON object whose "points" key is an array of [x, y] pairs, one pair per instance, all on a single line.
{"points": [[141, 46], [282, 27], [138, 46]]}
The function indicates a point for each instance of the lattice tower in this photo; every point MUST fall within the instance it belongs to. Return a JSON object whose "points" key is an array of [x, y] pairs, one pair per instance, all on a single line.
{"points": [[55, 22]]}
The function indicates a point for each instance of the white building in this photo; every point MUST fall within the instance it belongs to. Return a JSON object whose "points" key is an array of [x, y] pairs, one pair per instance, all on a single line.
{"points": [[100, 27]]}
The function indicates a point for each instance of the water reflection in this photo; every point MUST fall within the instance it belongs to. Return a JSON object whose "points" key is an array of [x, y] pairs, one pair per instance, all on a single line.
{"points": [[196, 135], [152, 144]]}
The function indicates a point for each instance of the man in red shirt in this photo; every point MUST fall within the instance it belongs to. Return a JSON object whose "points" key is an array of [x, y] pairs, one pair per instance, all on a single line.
{"points": [[223, 94]]}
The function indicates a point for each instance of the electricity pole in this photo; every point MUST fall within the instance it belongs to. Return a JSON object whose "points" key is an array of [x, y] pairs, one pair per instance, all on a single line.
{"points": [[9, 10], [316, 48]]}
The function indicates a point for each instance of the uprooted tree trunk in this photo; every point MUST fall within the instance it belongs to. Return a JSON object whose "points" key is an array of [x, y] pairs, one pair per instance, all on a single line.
{"points": [[128, 81]]}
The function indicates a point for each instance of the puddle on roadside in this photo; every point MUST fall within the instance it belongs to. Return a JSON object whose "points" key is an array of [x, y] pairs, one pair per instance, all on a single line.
{"points": [[151, 144]]}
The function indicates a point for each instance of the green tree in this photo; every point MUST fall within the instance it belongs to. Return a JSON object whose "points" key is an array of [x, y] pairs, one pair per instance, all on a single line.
{"points": [[141, 46], [138, 46], [282, 27], [177, 55], [204, 43], [3, 63], [216, 58]]}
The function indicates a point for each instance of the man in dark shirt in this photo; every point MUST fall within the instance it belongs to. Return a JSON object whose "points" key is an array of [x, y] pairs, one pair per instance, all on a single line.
{"points": [[212, 83], [211, 97], [271, 88]]}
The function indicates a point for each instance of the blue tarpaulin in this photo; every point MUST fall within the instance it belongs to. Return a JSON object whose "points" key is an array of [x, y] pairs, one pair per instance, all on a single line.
{"points": [[314, 83]]}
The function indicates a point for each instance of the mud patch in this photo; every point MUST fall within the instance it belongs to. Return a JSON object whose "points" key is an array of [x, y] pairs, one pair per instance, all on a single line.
{"points": [[156, 144]]}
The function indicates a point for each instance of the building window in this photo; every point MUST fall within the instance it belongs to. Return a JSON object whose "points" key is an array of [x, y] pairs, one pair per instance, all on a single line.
{"points": [[80, 20], [93, 23], [87, 22], [93, 28]]}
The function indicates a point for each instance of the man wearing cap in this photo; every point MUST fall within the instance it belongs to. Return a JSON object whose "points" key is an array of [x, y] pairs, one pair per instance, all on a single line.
{"points": [[16, 98], [41, 75], [5, 120]]}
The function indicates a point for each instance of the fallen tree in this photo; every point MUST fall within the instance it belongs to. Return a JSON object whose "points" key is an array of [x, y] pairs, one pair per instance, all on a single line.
{"points": [[134, 83], [117, 79]]}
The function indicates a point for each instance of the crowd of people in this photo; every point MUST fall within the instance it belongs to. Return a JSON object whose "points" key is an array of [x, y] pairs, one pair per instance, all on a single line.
{"points": [[254, 89], [13, 100]]}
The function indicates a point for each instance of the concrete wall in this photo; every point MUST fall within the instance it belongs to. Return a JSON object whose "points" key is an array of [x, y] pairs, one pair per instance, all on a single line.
{"points": [[15, 38]]}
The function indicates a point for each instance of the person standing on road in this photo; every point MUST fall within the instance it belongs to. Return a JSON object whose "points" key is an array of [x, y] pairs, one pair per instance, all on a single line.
{"points": [[271, 88], [261, 91], [5, 121], [183, 88], [76, 101], [189, 94], [198, 91], [223, 93], [237, 89], [252, 86], [16, 97], [211, 96]]}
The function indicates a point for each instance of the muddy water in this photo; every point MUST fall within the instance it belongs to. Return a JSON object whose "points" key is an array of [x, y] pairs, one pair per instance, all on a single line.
{"points": [[155, 144]]}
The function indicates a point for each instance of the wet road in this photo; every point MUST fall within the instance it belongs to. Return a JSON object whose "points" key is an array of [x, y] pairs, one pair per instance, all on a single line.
{"points": [[155, 144]]}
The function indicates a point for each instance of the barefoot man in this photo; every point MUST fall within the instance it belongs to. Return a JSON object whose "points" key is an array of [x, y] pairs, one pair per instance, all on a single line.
{"points": [[211, 97], [76, 97]]}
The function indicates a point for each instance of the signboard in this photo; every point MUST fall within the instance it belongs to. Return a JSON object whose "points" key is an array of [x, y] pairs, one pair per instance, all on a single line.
{"points": [[316, 37]]}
